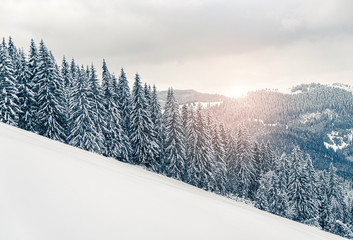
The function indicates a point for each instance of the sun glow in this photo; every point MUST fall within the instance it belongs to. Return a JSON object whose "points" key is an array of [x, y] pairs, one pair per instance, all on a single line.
{"points": [[237, 92]]}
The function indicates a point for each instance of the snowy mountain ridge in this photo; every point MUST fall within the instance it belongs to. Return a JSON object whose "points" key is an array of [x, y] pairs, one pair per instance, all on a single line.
{"points": [[54, 191]]}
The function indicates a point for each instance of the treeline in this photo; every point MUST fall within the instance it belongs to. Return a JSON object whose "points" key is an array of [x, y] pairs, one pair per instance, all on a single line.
{"points": [[68, 103]]}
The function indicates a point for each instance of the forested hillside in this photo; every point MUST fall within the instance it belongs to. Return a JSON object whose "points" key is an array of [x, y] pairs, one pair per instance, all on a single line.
{"points": [[315, 117], [210, 148]]}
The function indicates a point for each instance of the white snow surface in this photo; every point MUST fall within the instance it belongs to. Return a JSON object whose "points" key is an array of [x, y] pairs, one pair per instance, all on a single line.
{"points": [[50, 191], [339, 140]]}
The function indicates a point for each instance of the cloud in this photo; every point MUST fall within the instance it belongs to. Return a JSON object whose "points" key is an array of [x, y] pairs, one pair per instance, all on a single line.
{"points": [[180, 42]]}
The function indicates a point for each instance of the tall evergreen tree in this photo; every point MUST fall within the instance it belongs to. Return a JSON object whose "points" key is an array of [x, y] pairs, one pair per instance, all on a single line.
{"points": [[67, 91], [33, 60], [26, 97], [96, 99], [244, 165], [124, 102], [50, 115], [33, 65], [323, 204], [116, 142], [190, 134], [202, 167], [145, 148], [262, 192], [257, 167], [158, 126], [335, 198], [83, 133], [174, 158], [74, 70], [9, 108], [270, 158], [148, 96], [184, 115], [13, 52], [271, 196], [114, 82], [300, 195], [230, 159], [278, 201], [219, 158], [14, 55]]}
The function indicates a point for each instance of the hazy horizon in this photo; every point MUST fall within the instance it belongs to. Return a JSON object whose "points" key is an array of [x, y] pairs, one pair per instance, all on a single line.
{"points": [[225, 47]]}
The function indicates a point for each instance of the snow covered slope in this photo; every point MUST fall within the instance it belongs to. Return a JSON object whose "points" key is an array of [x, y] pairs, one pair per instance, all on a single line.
{"points": [[50, 191]]}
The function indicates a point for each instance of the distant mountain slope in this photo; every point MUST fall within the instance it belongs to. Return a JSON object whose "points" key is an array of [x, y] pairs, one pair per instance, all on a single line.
{"points": [[50, 190], [318, 118], [191, 96]]}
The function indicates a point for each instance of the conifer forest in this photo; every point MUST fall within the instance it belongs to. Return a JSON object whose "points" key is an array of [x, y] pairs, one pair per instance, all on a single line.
{"points": [[70, 103]]}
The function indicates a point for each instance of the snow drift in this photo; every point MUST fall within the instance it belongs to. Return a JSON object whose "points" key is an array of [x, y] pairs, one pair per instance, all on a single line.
{"points": [[49, 190]]}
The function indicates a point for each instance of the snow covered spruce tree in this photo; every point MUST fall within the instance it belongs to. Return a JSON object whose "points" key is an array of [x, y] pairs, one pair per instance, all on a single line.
{"points": [[50, 113], [158, 126], [267, 157], [9, 109], [115, 140], [33, 66], [244, 168], [148, 95], [67, 89], [83, 133], [257, 165], [300, 191], [324, 218], [124, 102], [337, 206], [230, 159], [201, 172], [13, 53], [174, 154], [95, 96], [33, 61], [271, 196], [143, 139], [26, 97], [188, 118], [184, 114], [219, 159]]}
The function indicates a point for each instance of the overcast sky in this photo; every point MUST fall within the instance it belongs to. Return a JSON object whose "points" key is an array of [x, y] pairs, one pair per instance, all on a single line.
{"points": [[214, 46]]}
